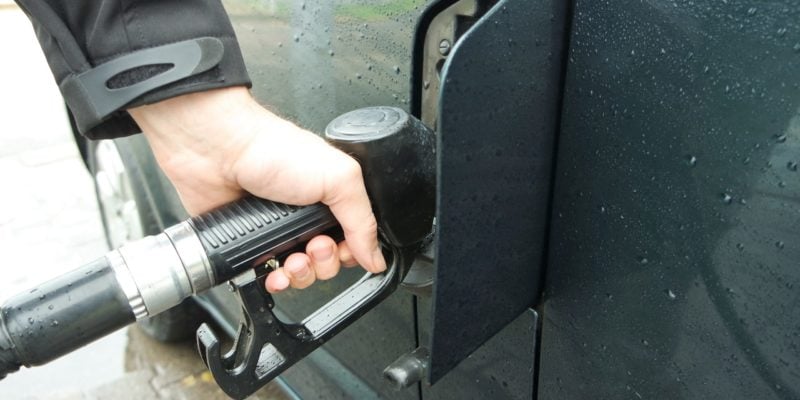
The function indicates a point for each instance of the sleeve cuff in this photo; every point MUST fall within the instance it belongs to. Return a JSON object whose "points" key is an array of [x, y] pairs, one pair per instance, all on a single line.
{"points": [[98, 98]]}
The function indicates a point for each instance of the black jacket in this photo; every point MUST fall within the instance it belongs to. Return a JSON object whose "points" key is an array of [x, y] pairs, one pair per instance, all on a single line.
{"points": [[107, 55]]}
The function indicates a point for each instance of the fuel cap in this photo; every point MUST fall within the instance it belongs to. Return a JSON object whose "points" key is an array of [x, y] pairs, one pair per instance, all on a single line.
{"points": [[367, 124]]}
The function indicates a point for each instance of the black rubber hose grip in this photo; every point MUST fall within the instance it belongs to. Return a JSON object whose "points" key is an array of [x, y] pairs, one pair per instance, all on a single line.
{"points": [[251, 231], [61, 315]]}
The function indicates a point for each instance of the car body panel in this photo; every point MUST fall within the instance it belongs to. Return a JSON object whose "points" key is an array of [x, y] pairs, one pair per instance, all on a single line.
{"points": [[494, 170], [501, 368], [674, 244]]}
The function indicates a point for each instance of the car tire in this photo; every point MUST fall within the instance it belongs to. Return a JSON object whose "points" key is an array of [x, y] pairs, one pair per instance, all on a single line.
{"points": [[126, 200]]}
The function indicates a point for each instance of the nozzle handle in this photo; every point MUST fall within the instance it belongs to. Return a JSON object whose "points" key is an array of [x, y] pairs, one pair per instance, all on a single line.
{"points": [[249, 232]]}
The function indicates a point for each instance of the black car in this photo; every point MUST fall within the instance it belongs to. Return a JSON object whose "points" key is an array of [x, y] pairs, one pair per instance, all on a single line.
{"points": [[618, 191]]}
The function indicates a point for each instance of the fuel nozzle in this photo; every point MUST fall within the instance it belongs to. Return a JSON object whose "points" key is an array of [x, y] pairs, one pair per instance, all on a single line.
{"points": [[148, 276]]}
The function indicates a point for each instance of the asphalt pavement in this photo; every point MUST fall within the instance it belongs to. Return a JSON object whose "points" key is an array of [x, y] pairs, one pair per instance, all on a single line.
{"points": [[49, 224]]}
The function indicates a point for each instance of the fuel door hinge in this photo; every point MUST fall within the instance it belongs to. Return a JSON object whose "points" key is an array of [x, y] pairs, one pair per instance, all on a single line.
{"points": [[450, 22]]}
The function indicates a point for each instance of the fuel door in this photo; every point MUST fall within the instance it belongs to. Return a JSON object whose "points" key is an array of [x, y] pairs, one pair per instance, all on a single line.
{"points": [[497, 99]]}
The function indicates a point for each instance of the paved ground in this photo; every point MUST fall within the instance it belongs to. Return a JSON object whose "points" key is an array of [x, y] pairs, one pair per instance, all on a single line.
{"points": [[49, 223]]}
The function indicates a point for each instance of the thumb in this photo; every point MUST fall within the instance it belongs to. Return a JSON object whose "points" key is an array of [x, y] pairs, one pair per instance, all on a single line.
{"points": [[347, 198]]}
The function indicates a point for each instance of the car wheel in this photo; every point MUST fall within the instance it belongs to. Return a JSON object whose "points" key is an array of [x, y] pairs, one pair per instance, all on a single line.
{"points": [[127, 211]]}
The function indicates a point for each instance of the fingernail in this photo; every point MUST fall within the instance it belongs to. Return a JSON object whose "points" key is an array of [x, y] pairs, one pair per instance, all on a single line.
{"points": [[278, 283], [322, 255], [378, 263], [300, 272]]}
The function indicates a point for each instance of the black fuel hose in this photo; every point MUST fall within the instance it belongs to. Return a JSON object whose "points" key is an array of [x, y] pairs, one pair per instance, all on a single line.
{"points": [[61, 315]]}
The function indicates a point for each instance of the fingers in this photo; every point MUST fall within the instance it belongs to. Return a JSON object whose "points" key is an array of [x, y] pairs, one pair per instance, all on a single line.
{"points": [[277, 281], [321, 261], [297, 268], [324, 258], [350, 205], [346, 256]]}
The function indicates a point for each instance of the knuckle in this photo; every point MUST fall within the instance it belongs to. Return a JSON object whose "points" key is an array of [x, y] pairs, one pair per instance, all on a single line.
{"points": [[326, 274], [349, 169], [304, 283], [364, 231], [344, 181], [371, 225]]}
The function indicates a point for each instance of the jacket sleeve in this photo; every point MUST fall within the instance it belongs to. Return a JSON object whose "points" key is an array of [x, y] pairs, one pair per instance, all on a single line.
{"points": [[110, 55]]}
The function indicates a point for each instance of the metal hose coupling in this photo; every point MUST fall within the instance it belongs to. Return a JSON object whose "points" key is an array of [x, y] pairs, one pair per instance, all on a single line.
{"points": [[158, 272]]}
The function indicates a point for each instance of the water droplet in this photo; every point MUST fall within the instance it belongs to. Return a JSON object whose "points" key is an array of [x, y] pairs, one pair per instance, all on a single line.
{"points": [[609, 296], [792, 166], [752, 11], [643, 260], [426, 85], [358, 76], [706, 69], [726, 198], [42, 296], [779, 244], [330, 53], [781, 184], [743, 202], [396, 69], [692, 160], [780, 138], [50, 307], [796, 47], [30, 320], [602, 209], [296, 38], [782, 32], [645, 342], [54, 323], [671, 294], [740, 246]]}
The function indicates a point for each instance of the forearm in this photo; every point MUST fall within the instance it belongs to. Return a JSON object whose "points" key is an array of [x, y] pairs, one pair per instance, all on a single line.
{"points": [[198, 138], [208, 127]]}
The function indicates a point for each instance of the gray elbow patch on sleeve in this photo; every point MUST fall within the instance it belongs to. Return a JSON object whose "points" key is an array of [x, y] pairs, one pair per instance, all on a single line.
{"points": [[97, 93]]}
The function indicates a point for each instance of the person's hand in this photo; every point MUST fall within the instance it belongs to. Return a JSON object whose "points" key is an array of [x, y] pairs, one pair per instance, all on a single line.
{"points": [[216, 145]]}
